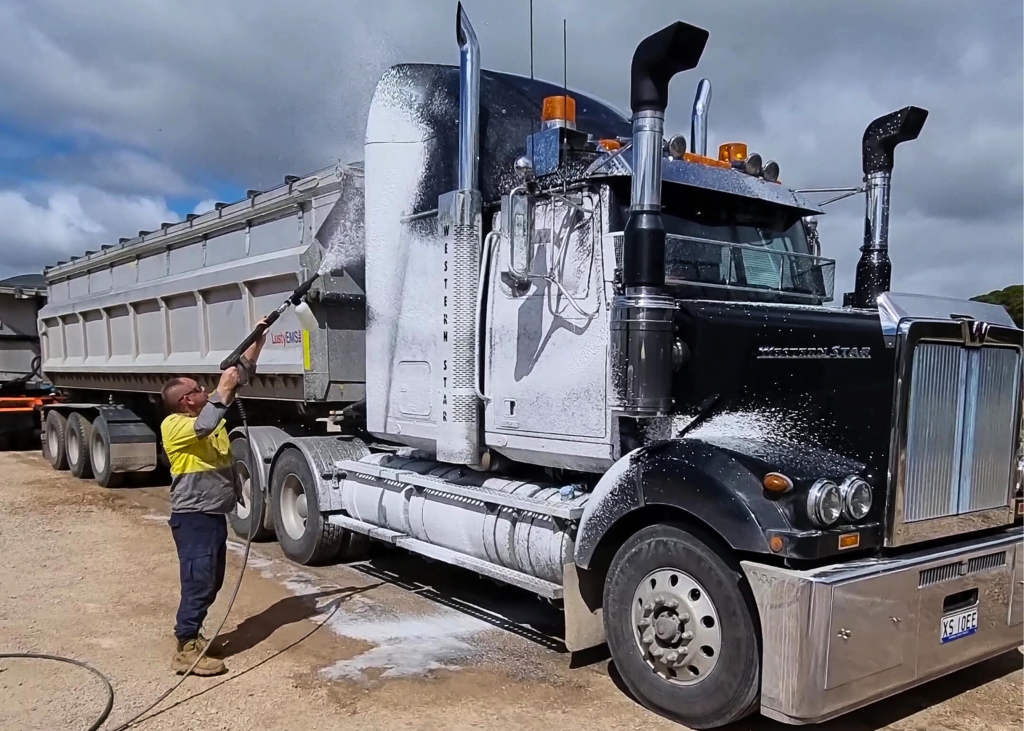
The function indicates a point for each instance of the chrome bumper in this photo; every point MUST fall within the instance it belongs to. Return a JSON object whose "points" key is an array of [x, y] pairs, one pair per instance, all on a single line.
{"points": [[840, 637]]}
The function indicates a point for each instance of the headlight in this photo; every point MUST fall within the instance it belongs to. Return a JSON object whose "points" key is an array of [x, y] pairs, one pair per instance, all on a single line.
{"points": [[856, 497], [824, 503]]}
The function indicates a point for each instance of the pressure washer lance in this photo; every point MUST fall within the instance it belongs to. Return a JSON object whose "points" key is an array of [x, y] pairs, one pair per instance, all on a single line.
{"points": [[302, 311]]}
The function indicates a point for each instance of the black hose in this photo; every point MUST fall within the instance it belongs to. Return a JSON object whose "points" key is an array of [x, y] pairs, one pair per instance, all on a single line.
{"points": [[37, 362], [57, 658], [106, 682], [231, 602]]}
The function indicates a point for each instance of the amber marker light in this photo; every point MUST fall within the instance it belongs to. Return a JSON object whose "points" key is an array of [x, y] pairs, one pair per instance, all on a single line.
{"points": [[848, 541], [777, 482]]}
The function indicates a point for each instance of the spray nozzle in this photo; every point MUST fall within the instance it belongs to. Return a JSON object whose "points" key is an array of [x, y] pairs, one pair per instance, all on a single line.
{"points": [[303, 289]]}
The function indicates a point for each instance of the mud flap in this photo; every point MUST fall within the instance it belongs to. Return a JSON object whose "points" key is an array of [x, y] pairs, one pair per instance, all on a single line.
{"points": [[581, 600]]}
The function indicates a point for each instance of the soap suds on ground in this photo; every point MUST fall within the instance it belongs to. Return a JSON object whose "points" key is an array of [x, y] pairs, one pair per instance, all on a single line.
{"points": [[90, 573]]}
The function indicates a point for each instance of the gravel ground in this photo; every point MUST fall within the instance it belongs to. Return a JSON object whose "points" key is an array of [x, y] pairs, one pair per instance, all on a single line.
{"points": [[392, 643]]}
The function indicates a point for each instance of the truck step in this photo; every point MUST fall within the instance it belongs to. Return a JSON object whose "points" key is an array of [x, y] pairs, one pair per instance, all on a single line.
{"points": [[565, 510], [532, 584]]}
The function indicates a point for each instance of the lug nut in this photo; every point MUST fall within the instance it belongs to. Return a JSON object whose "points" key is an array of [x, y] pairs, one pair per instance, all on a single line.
{"points": [[648, 637]]}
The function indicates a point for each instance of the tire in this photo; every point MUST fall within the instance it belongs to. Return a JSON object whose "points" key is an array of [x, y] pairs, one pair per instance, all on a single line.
{"points": [[255, 510], [79, 435], [707, 691], [314, 540], [99, 455], [54, 439]]}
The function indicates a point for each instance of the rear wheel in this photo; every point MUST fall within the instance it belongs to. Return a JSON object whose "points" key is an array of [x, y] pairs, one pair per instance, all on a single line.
{"points": [[682, 629], [54, 439], [99, 454], [304, 534], [79, 435], [250, 513]]}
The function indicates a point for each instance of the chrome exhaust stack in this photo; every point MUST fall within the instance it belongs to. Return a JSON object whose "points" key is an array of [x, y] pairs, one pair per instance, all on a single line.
{"points": [[642, 329], [699, 118], [459, 222], [469, 101], [874, 270]]}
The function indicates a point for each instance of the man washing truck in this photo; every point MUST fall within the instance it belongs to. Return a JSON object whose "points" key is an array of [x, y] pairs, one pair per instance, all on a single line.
{"points": [[203, 492]]}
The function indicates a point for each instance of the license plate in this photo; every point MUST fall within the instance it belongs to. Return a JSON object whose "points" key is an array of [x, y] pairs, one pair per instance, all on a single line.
{"points": [[961, 624]]}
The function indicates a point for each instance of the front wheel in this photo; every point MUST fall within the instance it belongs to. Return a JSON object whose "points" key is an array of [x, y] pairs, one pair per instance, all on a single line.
{"points": [[682, 629]]}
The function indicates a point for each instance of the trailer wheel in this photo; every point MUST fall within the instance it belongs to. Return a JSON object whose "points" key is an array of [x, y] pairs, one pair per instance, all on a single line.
{"points": [[254, 505], [99, 454], [55, 439], [682, 629], [304, 534], [79, 435]]}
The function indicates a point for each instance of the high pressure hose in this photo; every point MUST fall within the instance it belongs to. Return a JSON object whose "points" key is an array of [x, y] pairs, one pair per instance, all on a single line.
{"points": [[293, 300], [57, 658], [231, 602], [106, 682]]}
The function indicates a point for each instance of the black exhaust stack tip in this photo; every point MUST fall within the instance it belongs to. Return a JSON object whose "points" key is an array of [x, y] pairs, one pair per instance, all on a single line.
{"points": [[656, 60], [874, 269], [659, 57], [882, 136]]}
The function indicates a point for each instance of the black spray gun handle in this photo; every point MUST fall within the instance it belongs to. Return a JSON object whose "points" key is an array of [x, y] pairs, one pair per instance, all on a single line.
{"points": [[293, 299]]}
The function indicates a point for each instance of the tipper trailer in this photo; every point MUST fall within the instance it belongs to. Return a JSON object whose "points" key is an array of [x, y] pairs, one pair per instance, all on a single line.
{"points": [[569, 355]]}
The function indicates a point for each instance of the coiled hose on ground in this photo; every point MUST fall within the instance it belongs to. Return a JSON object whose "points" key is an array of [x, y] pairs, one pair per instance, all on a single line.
{"points": [[106, 681]]}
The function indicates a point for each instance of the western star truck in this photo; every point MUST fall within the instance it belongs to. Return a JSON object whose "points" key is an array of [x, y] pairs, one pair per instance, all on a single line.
{"points": [[561, 351]]}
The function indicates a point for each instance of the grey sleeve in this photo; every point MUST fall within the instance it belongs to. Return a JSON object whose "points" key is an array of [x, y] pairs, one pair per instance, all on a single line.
{"points": [[246, 370], [210, 416]]}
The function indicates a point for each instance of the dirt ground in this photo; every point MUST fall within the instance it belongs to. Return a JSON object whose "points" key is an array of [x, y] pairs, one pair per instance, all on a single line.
{"points": [[391, 643]]}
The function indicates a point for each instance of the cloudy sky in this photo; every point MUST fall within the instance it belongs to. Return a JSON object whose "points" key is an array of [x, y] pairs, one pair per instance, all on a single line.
{"points": [[117, 115]]}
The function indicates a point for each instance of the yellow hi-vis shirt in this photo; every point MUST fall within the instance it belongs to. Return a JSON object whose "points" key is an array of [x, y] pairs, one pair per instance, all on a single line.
{"points": [[199, 451]]}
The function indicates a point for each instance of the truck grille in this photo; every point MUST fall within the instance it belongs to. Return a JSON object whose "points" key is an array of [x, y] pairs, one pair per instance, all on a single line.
{"points": [[960, 429]]}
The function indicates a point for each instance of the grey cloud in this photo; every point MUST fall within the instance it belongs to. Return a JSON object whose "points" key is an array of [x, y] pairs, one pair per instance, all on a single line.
{"points": [[248, 92]]}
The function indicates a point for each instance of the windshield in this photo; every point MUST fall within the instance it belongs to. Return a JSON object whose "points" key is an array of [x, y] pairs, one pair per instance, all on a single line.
{"points": [[722, 247]]}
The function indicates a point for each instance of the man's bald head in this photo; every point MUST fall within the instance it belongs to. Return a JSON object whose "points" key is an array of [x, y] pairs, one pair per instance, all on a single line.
{"points": [[183, 395]]}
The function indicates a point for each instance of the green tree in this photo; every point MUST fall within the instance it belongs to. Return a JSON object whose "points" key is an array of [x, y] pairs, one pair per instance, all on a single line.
{"points": [[1012, 298]]}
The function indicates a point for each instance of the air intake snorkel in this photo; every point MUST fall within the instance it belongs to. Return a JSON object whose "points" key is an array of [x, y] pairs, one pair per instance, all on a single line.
{"points": [[874, 270], [642, 317]]}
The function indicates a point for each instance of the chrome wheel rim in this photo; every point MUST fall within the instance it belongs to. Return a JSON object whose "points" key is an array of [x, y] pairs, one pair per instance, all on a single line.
{"points": [[293, 507], [74, 446], [243, 509], [98, 453], [676, 627]]}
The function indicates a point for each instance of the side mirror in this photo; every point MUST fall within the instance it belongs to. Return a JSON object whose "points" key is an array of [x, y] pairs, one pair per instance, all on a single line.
{"points": [[811, 231], [516, 230]]}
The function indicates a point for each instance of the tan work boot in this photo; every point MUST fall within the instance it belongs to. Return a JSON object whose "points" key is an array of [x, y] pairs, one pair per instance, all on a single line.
{"points": [[186, 655], [215, 646]]}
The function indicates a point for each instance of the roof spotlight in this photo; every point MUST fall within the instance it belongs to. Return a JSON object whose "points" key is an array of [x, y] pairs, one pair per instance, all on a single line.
{"points": [[771, 171], [752, 165], [677, 147]]}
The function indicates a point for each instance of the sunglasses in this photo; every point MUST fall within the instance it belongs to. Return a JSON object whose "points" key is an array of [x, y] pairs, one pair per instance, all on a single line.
{"points": [[197, 389]]}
